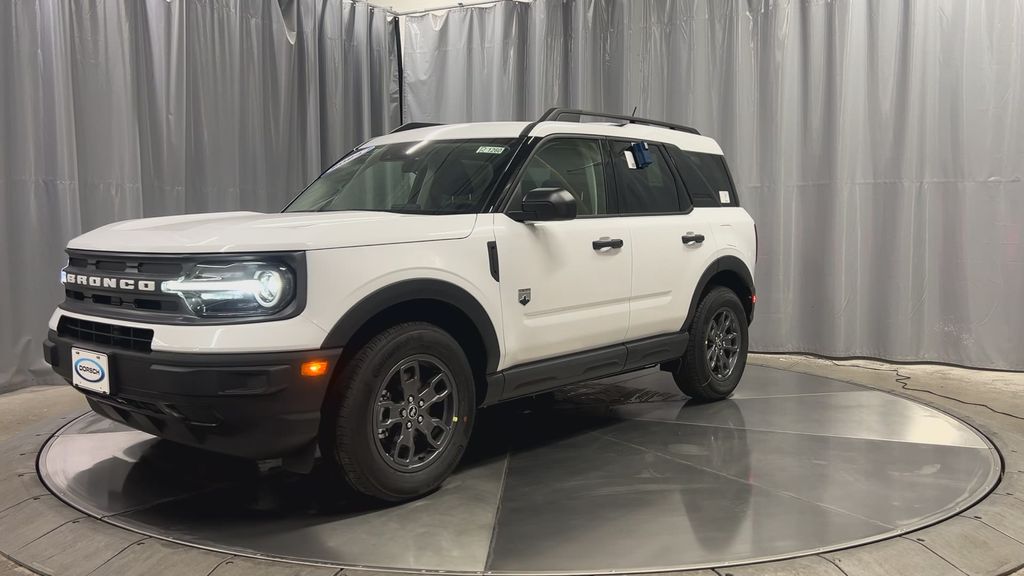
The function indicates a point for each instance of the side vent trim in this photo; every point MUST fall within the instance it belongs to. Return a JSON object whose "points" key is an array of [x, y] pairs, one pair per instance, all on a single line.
{"points": [[492, 256]]}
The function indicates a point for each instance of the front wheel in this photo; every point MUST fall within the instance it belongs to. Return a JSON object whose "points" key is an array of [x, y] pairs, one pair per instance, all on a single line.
{"points": [[398, 418], [716, 354]]}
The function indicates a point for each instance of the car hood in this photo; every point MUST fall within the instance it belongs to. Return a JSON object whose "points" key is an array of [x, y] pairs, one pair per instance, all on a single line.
{"points": [[258, 232]]}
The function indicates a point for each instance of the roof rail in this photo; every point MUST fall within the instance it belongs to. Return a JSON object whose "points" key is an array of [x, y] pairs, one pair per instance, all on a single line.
{"points": [[413, 126], [554, 114]]}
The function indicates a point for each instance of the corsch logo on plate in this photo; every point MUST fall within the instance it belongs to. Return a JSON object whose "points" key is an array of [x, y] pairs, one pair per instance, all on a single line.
{"points": [[89, 369]]}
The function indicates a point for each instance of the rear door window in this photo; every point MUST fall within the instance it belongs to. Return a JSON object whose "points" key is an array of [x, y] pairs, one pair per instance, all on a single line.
{"points": [[649, 189]]}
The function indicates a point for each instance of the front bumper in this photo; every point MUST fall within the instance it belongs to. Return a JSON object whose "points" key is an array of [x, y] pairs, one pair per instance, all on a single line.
{"points": [[253, 405]]}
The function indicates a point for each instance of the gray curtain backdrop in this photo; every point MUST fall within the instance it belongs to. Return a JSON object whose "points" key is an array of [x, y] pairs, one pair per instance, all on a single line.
{"points": [[878, 144], [116, 109]]}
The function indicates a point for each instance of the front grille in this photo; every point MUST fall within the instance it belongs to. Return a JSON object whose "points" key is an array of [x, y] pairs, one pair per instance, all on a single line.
{"points": [[128, 337], [115, 268], [157, 304]]}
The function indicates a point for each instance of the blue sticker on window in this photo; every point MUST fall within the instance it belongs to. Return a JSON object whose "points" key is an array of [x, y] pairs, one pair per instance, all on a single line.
{"points": [[641, 154]]}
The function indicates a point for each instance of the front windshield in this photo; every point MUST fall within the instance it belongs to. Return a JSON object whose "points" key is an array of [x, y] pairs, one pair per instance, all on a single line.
{"points": [[425, 177]]}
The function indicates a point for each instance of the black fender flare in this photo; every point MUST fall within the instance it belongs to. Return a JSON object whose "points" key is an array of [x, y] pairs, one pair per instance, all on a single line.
{"points": [[417, 289], [725, 263]]}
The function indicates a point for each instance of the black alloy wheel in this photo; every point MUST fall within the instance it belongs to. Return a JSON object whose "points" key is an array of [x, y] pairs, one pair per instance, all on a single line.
{"points": [[399, 413], [722, 343], [716, 354], [416, 404]]}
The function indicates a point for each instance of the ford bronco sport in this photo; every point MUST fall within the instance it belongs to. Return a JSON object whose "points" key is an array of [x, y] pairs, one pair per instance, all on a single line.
{"points": [[429, 272]]}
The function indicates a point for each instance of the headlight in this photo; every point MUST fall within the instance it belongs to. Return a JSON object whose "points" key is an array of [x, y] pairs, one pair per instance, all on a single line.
{"points": [[238, 289]]}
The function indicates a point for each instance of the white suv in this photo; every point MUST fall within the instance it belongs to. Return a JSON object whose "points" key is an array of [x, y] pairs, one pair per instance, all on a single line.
{"points": [[429, 272]]}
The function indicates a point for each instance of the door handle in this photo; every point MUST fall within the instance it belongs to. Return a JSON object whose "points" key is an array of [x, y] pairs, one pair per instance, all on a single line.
{"points": [[606, 242], [690, 238]]}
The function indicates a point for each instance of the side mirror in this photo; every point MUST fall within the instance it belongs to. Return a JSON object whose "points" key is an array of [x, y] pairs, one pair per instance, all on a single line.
{"points": [[546, 205]]}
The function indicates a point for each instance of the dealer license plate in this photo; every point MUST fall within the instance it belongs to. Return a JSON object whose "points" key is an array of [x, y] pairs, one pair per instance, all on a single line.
{"points": [[90, 370]]}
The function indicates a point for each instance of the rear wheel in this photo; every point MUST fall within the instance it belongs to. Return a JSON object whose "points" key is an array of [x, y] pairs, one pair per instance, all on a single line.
{"points": [[717, 351], [399, 415]]}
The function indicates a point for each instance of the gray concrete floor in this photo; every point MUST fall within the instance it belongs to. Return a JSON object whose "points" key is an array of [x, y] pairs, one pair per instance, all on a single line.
{"points": [[998, 391], [8, 567], [27, 406], [992, 399]]}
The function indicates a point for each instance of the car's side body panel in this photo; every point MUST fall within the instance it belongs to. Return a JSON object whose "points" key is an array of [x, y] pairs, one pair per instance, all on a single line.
{"points": [[665, 270], [335, 289], [416, 290], [558, 294]]}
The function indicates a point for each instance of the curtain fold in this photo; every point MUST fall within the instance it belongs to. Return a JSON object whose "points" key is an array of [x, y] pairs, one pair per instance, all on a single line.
{"points": [[877, 144], [117, 109]]}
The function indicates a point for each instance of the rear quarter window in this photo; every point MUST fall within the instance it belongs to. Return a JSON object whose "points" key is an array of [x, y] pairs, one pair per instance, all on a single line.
{"points": [[706, 178]]}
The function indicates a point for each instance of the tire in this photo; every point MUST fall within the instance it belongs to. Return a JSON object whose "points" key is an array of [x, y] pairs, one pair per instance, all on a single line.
{"points": [[384, 446], [710, 368]]}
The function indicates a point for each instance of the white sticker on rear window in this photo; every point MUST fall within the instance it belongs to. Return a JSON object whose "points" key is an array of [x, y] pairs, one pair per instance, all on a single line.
{"points": [[630, 161], [723, 195], [490, 150]]}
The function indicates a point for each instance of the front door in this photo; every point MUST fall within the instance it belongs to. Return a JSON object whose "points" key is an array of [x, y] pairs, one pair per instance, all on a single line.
{"points": [[565, 286]]}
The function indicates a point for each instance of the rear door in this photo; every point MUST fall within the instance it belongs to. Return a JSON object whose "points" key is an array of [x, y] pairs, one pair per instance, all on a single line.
{"points": [[670, 245]]}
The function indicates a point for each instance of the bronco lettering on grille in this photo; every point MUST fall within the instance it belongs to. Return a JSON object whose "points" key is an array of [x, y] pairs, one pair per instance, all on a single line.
{"points": [[116, 283]]}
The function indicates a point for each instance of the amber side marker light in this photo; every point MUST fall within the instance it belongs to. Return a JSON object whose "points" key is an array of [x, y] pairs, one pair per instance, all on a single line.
{"points": [[314, 368]]}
